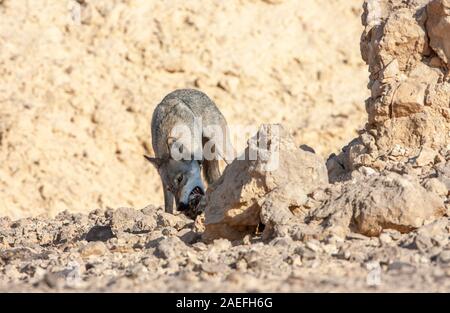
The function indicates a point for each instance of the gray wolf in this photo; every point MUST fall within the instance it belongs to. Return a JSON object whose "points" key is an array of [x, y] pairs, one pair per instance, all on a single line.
{"points": [[189, 136]]}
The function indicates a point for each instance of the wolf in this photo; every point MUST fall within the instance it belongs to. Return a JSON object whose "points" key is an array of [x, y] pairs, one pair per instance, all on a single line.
{"points": [[189, 136]]}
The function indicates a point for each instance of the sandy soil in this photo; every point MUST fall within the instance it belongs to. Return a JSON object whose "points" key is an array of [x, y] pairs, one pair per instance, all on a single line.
{"points": [[78, 84]]}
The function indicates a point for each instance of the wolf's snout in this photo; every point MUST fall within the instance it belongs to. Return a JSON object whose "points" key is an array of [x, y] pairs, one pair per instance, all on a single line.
{"points": [[193, 200], [195, 197]]}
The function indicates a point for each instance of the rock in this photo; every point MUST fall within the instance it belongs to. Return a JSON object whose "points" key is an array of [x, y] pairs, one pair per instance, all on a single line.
{"points": [[21, 253], [54, 280], [444, 257], [99, 233], [385, 238], [443, 171], [397, 203], [188, 236], [424, 243], [313, 245], [438, 27], [132, 221], [171, 220], [426, 156], [437, 230], [386, 201], [274, 177], [367, 171], [409, 99], [401, 267], [435, 186], [171, 248], [221, 244], [215, 268], [94, 248]]}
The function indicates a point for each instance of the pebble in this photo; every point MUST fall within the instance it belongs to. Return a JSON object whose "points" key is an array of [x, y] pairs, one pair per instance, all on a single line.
{"points": [[94, 248]]}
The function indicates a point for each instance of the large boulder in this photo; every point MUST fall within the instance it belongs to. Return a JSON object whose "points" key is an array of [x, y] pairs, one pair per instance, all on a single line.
{"points": [[368, 205], [263, 186]]}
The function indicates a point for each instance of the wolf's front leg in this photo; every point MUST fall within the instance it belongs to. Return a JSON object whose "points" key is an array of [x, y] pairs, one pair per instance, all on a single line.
{"points": [[168, 200]]}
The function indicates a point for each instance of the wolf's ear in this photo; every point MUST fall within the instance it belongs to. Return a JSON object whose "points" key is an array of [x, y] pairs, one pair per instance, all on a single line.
{"points": [[155, 161]]}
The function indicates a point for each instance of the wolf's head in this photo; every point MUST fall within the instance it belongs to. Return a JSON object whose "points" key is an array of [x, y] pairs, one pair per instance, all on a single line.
{"points": [[183, 179]]}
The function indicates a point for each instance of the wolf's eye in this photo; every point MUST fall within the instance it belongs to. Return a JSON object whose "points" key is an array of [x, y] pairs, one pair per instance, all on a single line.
{"points": [[180, 178]]}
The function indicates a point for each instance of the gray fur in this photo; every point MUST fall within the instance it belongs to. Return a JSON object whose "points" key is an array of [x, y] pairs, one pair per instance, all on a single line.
{"points": [[179, 177]]}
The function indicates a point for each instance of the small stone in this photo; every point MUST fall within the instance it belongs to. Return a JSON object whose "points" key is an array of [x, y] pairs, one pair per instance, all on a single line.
{"points": [[54, 280], [188, 236], [333, 238], [356, 236], [171, 220], [171, 248], [221, 244], [241, 265], [99, 233], [169, 231], [423, 243], [436, 186], [401, 266], [215, 268], [313, 245], [444, 257], [425, 157], [200, 246], [94, 248], [132, 221], [367, 171], [386, 238], [247, 240], [306, 254], [398, 151], [330, 249]]}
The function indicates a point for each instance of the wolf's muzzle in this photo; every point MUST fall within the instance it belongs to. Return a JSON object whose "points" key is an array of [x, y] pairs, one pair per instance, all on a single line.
{"points": [[195, 196]]}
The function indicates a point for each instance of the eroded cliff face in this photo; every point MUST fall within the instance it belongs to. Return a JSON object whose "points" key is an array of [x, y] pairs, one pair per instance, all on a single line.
{"points": [[406, 46]]}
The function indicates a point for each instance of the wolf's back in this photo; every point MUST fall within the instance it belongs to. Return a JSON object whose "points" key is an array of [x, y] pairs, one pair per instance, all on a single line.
{"points": [[182, 107]]}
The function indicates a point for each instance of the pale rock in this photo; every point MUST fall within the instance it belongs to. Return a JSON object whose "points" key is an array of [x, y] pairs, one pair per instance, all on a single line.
{"points": [[170, 220], [444, 256], [409, 98], [132, 221], [425, 157], [274, 177], [94, 248], [171, 248], [435, 186], [385, 201], [188, 236]]}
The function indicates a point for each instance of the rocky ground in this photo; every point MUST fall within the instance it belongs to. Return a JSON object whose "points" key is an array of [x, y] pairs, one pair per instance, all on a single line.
{"points": [[149, 250]]}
